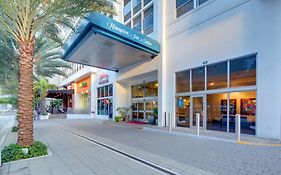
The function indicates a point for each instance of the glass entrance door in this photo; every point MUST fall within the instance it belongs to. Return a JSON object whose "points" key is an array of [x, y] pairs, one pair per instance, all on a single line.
{"points": [[143, 108], [198, 106]]}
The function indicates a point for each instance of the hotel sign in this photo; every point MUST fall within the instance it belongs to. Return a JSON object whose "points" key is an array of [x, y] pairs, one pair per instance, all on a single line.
{"points": [[103, 78], [133, 36]]}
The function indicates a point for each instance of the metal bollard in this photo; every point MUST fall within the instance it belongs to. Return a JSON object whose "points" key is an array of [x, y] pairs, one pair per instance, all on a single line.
{"points": [[170, 122], [165, 117], [197, 123], [238, 126]]}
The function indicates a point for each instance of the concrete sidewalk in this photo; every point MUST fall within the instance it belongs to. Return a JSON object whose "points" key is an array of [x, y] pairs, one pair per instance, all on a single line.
{"points": [[181, 152], [211, 134], [73, 156]]}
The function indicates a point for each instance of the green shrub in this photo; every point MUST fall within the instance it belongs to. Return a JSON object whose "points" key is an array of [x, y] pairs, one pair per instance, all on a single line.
{"points": [[118, 118], [15, 129], [14, 151]]}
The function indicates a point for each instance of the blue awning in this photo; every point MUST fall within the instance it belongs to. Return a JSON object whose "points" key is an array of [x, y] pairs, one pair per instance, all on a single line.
{"points": [[105, 43]]}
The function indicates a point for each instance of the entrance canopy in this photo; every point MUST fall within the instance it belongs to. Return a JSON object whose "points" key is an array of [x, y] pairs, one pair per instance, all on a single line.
{"points": [[105, 43]]}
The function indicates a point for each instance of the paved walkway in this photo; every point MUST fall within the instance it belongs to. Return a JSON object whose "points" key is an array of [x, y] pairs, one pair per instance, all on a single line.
{"points": [[216, 156], [181, 154], [73, 156]]}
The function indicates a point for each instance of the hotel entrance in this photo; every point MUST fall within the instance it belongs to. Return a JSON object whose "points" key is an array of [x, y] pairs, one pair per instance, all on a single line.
{"points": [[144, 100], [142, 109]]}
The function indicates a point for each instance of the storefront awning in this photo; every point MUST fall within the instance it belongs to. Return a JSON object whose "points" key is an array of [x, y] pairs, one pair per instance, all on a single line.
{"points": [[59, 93], [105, 43]]}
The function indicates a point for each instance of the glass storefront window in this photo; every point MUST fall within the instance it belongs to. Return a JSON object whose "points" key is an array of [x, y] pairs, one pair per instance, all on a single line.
{"points": [[155, 104], [183, 111], [135, 116], [106, 91], [134, 90], [135, 106], [217, 76], [198, 79], [246, 107], [102, 92], [217, 111], [149, 89], [99, 89], [183, 81], [141, 106], [243, 72], [104, 103], [140, 90], [148, 106], [156, 89], [110, 90]]}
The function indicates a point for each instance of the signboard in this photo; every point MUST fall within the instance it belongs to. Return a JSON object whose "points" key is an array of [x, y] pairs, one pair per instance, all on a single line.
{"points": [[83, 84], [103, 78]]}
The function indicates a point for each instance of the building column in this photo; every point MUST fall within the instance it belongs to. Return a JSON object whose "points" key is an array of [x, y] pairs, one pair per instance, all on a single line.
{"points": [[160, 10]]}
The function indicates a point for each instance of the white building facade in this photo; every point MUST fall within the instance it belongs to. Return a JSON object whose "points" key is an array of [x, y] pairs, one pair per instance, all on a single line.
{"points": [[217, 58]]}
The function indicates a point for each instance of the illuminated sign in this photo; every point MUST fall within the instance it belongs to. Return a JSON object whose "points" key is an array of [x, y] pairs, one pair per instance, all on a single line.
{"points": [[103, 78], [83, 84]]}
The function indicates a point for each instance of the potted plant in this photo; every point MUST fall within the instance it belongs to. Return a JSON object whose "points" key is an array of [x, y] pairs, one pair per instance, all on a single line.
{"points": [[153, 119], [123, 112], [155, 113]]}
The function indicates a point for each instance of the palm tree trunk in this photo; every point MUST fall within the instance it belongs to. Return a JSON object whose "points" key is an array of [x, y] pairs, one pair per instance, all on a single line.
{"points": [[25, 114]]}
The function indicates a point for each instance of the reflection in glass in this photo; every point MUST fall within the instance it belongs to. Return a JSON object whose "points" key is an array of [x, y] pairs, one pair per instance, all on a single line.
{"points": [[135, 116], [99, 89], [183, 111], [137, 24], [184, 6], [243, 72], [102, 92], [141, 106], [155, 104], [183, 81], [140, 115], [134, 106], [155, 89], [148, 106], [127, 7], [140, 90], [246, 107], [217, 76], [110, 108], [202, 1], [105, 91], [149, 89], [136, 6], [198, 79], [110, 91], [217, 112], [198, 108]]}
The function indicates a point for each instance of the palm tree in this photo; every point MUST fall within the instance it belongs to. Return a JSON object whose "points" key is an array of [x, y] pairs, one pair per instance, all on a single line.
{"points": [[48, 59], [40, 88], [24, 21]]}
